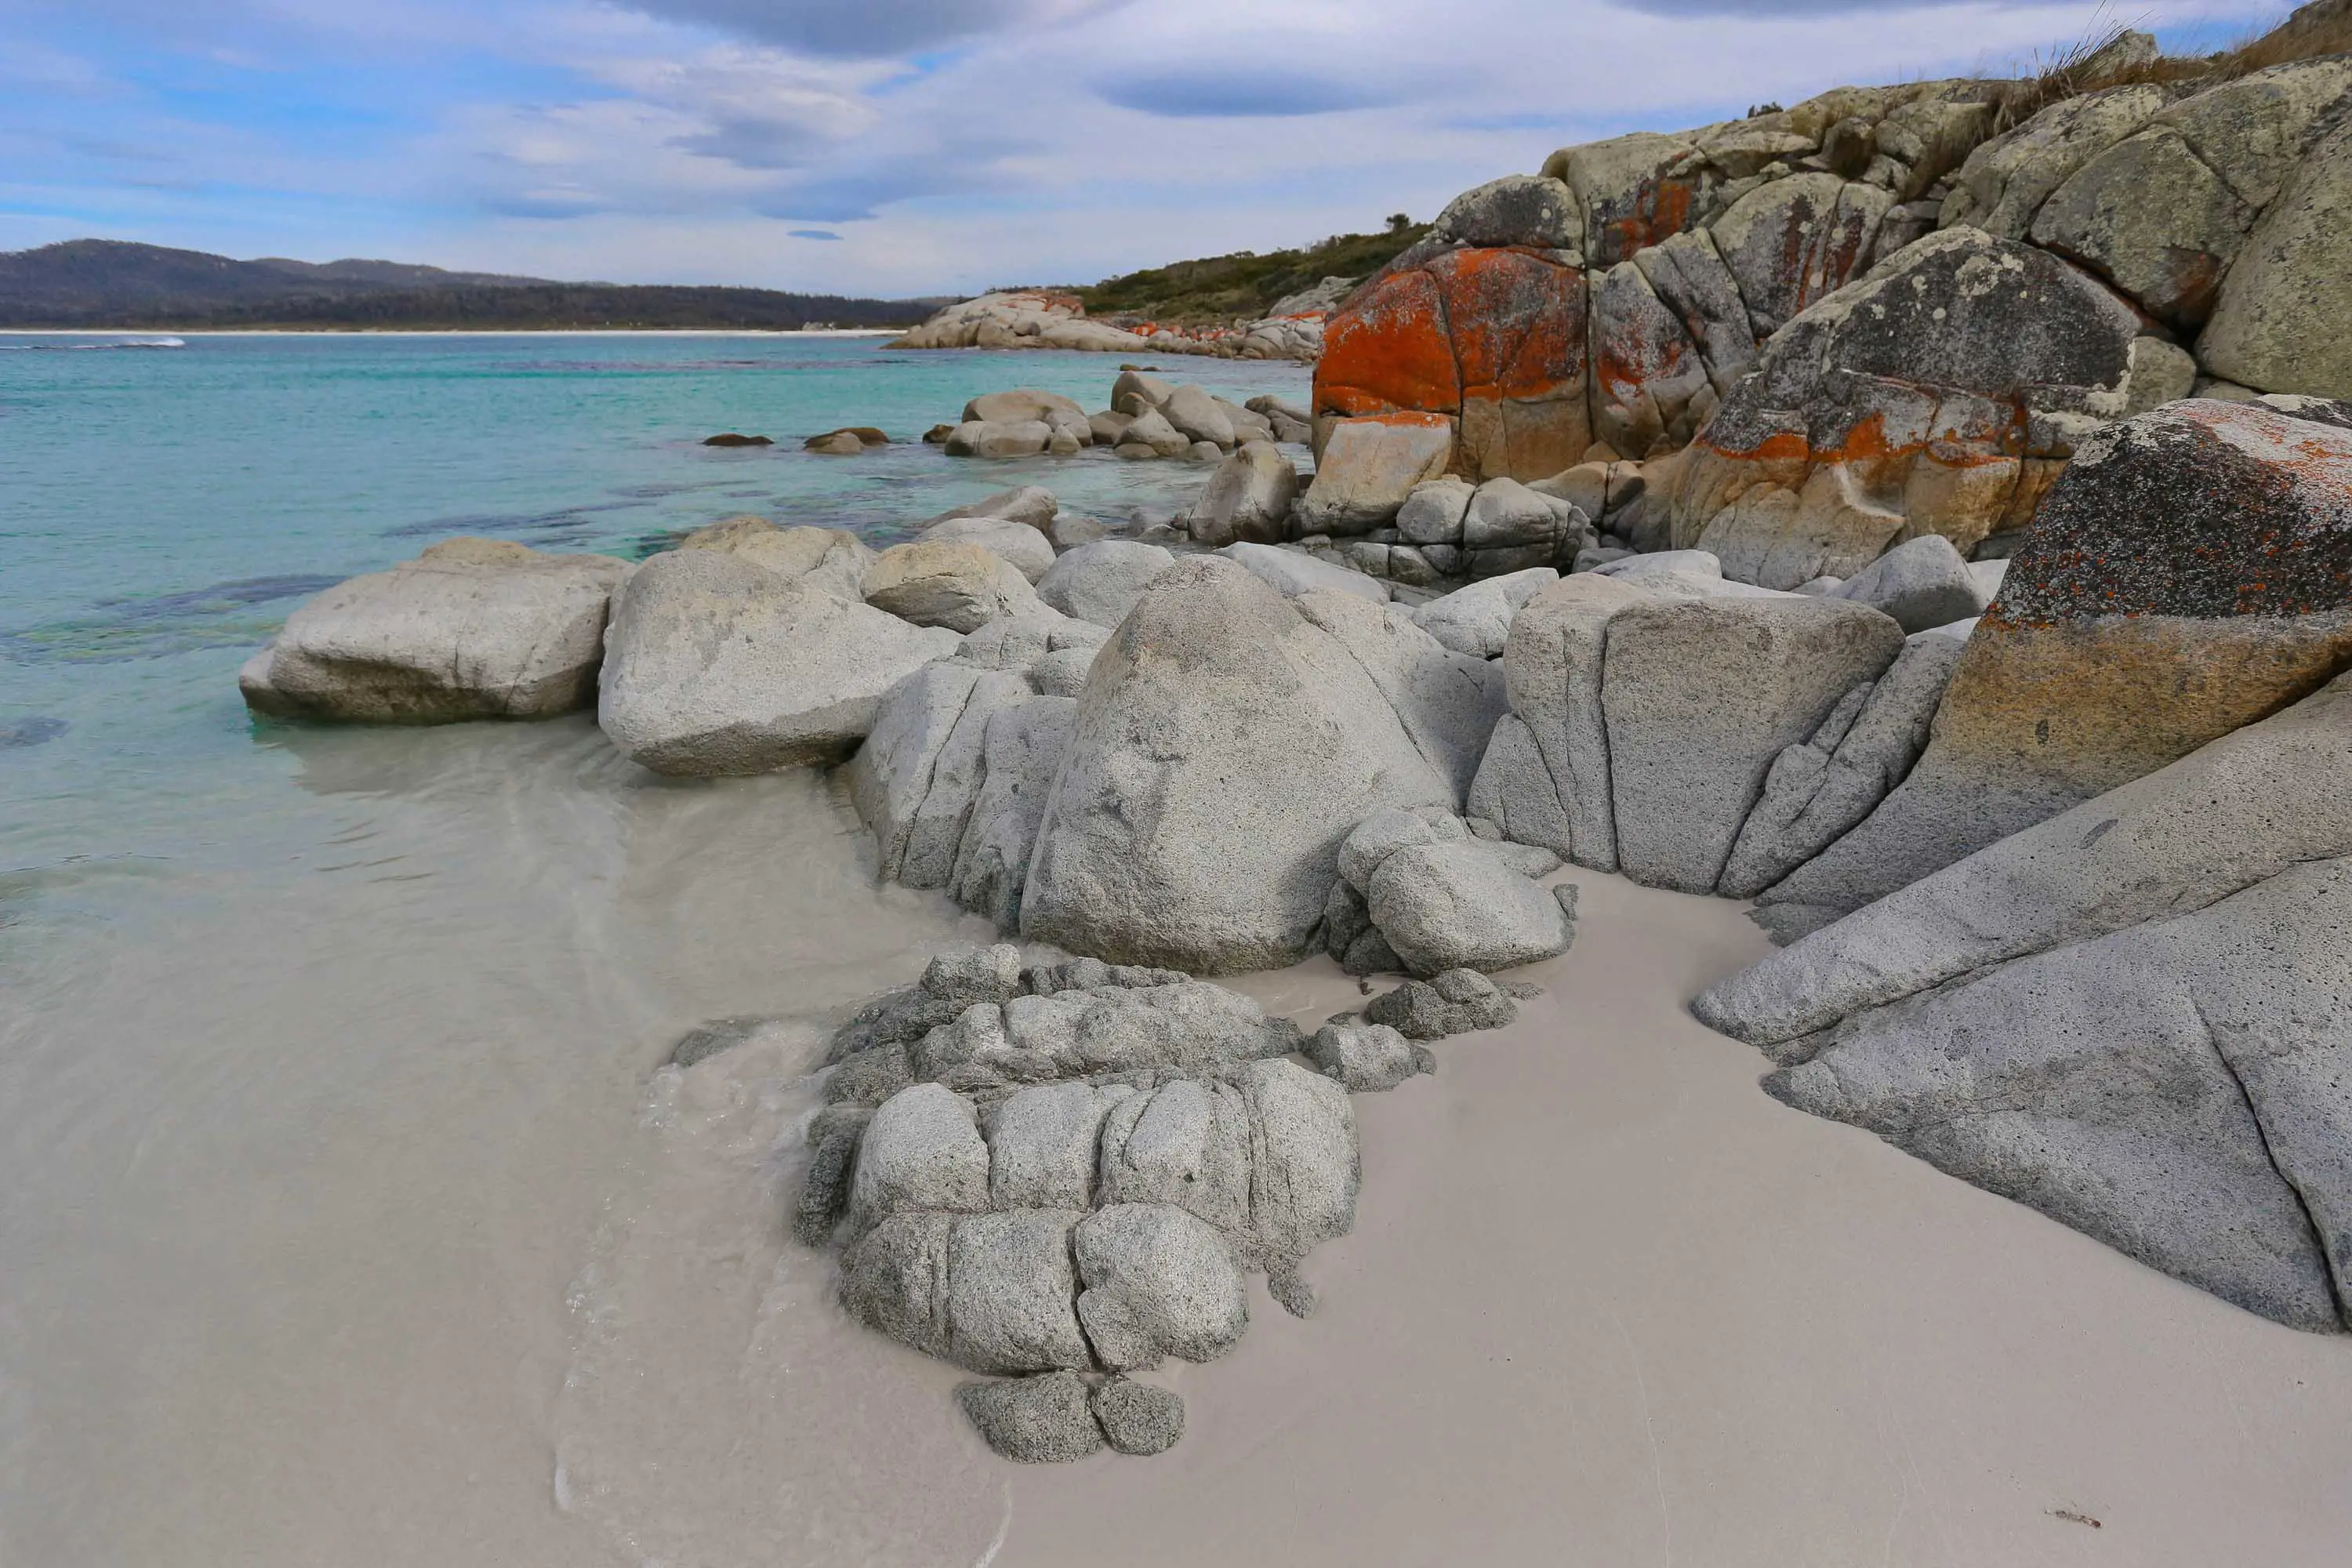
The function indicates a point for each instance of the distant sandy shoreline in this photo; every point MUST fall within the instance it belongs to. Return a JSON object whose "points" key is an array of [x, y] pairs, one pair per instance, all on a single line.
{"points": [[448, 332]]}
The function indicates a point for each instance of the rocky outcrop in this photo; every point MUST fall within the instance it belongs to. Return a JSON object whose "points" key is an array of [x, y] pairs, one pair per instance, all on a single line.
{"points": [[946, 583], [2190, 573], [2130, 1017], [715, 664], [1839, 327], [1037, 319], [473, 629], [1934, 397]]}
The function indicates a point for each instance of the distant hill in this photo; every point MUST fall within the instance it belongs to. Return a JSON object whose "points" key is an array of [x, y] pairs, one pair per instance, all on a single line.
{"points": [[1243, 286], [104, 283]]}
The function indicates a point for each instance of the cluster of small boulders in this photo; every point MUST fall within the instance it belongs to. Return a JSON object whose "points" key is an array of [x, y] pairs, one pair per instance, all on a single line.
{"points": [[1059, 1175]]}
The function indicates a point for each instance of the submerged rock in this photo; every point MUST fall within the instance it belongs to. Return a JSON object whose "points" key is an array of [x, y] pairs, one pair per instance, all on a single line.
{"points": [[473, 629]]}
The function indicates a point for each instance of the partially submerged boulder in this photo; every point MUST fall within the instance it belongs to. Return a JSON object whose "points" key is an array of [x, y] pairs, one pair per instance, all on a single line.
{"points": [[472, 628], [716, 665], [1249, 497]]}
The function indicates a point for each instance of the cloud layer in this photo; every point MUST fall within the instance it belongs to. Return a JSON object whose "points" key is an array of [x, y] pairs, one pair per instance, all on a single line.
{"points": [[926, 145]]}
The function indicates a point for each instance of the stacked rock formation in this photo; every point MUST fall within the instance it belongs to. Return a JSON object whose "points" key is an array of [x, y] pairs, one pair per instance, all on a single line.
{"points": [[1060, 1173], [1149, 417]]}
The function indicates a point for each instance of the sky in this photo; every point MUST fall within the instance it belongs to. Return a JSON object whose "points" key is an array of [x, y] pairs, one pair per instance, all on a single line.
{"points": [[893, 147]]}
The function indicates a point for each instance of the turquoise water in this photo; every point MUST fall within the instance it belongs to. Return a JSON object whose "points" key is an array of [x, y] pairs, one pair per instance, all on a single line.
{"points": [[161, 509]]}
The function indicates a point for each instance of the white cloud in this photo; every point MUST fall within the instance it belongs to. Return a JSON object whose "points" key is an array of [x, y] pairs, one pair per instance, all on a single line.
{"points": [[950, 143]]}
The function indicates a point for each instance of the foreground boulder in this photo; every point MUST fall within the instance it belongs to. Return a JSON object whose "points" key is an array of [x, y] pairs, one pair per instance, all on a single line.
{"points": [[473, 629], [2191, 572], [1222, 748], [716, 665], [2132, 1017]]}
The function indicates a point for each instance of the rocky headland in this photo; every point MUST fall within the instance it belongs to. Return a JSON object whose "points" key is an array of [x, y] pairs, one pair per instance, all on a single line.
{"points": [[1924, 511]]}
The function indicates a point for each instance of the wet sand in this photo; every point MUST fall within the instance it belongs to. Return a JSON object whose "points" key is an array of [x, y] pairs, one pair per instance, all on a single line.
{"points": [[348, 1219]]}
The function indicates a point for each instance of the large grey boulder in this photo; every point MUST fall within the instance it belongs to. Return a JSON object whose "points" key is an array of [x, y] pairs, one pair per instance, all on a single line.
{"points": [[956, 584], [2207, 1136], [1476, 620], [1249, 497], [890, 776], [1101, 581], [1816, 791], [1138, 1418], [1365, 1058], [999, 439], [1700, 697], [1197, 416], [1041, 1146], [716, 665], [926, 855], [2240, 810], [1459, 906], [1032, 504], [1368, 467], [1517, 209], [473, 629], [832, 559], [2279, 324], [1515, 790], [1508, 528], [1028, 551], [1448, 701], [1223, 746], [1922, 583], [1012, 1292], [1149, 434], [1020, 404], [1158, 1282], [1291, 573], [1305, 1167], [1434, 513], [1186, 1143]]}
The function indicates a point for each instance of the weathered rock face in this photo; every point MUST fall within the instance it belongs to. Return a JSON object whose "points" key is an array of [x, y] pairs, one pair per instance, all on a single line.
{"points": [[1700, 698], [2132, 1017], [2278, 325], [1025, 549], [2191, 572], [1929, 398], [832, 559], [473, 629], [1222, 747], [716, 665]]}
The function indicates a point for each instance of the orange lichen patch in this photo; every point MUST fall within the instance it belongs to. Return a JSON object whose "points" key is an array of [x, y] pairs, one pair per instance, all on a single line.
{"points": [[1518, 322], [1661, 209], [1389, 349]]}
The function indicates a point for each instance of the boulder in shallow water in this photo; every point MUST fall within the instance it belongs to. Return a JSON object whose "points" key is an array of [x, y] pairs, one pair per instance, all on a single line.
{"points": [[716, 665], [473, 629], [1249, 497]]}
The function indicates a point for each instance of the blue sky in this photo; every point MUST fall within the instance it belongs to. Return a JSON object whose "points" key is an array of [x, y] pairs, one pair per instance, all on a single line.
{"points": [[888, 146]]}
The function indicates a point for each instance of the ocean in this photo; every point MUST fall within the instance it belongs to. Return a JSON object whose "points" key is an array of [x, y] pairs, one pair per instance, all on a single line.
{"points": [[328, 1057]]}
